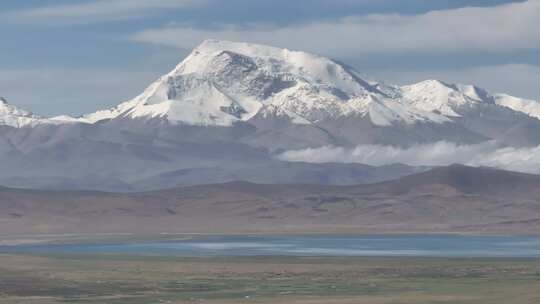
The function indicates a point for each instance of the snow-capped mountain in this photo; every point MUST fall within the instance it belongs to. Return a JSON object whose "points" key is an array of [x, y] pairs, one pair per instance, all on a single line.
{"points": [[222, 82], [229, 105], [441, 98], [529, 107], [14, 117]]}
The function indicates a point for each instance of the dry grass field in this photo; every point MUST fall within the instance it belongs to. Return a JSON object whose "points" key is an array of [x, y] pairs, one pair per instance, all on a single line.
{"points": [[109, 279]]}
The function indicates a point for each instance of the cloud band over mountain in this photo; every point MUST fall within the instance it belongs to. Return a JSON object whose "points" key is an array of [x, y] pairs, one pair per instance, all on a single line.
{"points": [[432, 154]]}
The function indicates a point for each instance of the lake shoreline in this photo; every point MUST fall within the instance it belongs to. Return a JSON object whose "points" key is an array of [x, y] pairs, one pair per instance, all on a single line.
{"points": [[388, 245], [55, 238]]}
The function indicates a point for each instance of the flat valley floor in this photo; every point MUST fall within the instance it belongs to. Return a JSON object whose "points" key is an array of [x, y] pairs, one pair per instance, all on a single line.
{"points": [[115, 279]]}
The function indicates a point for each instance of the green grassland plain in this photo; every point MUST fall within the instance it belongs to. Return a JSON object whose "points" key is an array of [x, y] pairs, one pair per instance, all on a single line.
{"points": [[115, 279]]}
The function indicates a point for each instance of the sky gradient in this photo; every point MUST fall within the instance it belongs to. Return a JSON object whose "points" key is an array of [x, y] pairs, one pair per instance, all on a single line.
{"points": [[78, 56]]}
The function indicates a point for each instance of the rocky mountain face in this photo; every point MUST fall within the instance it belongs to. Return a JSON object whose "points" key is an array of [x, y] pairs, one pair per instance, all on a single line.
{"points": [[229, 108]]}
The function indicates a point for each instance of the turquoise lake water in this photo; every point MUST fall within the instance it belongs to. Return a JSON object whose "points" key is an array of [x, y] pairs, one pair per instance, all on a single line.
{"points": [[310, 245]]}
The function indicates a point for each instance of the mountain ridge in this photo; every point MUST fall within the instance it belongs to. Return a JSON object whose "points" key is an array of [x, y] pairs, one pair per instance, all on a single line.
{"points": [[430, 100], [431, 201], [229, 109]]}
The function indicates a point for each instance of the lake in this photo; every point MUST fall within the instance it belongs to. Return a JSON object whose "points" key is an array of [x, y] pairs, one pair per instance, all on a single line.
{"points": [[308, 245]]}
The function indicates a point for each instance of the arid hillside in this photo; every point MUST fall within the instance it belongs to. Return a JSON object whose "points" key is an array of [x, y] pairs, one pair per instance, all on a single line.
{"points": [[454, 198]]}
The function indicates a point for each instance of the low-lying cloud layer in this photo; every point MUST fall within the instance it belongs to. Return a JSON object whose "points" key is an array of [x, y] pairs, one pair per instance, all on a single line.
{"points": [[435, 154]]}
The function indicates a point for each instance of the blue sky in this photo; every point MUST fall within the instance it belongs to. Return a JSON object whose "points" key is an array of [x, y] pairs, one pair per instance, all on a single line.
{"points": [[77, 56]]}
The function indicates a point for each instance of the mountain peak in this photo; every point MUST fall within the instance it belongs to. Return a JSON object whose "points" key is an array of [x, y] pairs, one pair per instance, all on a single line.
{"points": [[526, 106], [223, 82], [249, 49], [6, 108], [15, 117], [433, 85], [443, 98]]}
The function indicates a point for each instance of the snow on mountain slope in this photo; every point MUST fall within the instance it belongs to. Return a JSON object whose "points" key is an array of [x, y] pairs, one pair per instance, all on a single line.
{"points": [[385, 112], [449, 99], [222, 82], [14, 117], [529, 107], [272, 111], [446, 99], [98, 116], [257, 102], [214, 57]]}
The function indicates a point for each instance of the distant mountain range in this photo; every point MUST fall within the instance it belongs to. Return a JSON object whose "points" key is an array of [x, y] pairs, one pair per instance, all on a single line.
{"points": [[445, 199], [228, 109]]}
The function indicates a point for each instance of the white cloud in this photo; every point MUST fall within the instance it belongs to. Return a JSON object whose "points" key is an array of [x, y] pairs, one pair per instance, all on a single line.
{"points": [[433, 154], [100, 10], [509, 27]]}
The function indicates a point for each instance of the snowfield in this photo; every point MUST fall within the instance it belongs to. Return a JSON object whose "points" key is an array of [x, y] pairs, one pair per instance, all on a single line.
{"points": [[223, 82]]}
